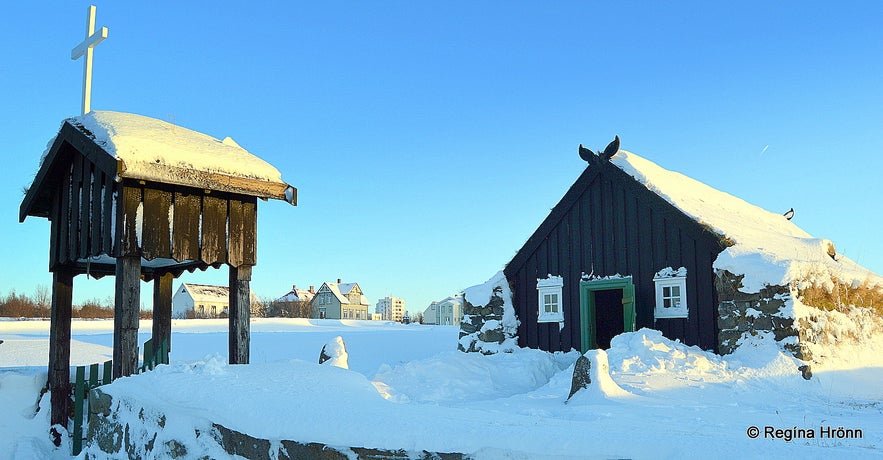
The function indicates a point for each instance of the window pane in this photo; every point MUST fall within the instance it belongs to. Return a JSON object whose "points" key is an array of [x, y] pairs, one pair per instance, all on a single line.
{"points": [[676, 302], [676, 291], [666, 303], [666, 291]]}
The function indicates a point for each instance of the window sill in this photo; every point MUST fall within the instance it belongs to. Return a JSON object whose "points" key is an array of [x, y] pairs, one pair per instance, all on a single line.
{"points": [[551, 319], [680, 314]]}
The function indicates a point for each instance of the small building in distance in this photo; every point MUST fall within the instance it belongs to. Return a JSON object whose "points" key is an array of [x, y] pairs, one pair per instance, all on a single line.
{"points": [[205, 300], [298, 295], [297, 303], [340, 301], [392, 308], [447, 312]]}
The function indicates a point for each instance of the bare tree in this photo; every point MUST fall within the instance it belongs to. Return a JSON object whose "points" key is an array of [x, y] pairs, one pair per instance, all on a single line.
{"points": [[42, 297]]}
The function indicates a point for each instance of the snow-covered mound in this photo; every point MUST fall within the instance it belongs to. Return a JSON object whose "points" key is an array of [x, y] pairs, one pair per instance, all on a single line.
{"points": [[602, 385], [334, 353], [768, 248], [462, 377]]}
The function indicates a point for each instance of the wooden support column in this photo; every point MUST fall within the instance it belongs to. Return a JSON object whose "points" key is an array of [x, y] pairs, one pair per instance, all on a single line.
{"points": [[240, 314], [60, 346], [126, 315], [162, 309]]}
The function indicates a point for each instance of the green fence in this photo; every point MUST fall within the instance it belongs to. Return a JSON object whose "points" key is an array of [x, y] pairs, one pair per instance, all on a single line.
{"points": [[153, 356]]}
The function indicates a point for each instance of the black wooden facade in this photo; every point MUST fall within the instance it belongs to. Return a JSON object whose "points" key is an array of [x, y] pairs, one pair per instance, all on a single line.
{"points": [[106, 220], [610, 224]]}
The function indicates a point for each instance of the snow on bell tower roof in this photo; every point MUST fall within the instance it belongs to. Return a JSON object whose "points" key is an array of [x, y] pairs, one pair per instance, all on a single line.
{"points": [[135, 147], [155, 150]]}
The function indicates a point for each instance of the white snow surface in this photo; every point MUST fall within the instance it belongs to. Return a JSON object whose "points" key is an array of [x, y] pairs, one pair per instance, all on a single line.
{"points": [[407, 389], [143, 143], [769, 249]]}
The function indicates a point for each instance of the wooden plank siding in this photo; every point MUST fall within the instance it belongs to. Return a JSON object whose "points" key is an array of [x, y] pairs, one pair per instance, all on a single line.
{"points": [[93, 215], [157, 242], [185, 227], [74, 222], [214, 230], [608, 224]]}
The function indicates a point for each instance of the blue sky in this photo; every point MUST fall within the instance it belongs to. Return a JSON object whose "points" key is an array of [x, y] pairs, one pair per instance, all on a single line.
{"points": [[429, 139]]}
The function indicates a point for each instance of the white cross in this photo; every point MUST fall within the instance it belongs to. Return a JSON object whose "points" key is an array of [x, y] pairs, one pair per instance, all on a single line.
{"points": [[85, 48]]}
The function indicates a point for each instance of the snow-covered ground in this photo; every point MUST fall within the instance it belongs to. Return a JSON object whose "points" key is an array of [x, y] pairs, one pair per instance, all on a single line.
{"points": [[407, 388]]}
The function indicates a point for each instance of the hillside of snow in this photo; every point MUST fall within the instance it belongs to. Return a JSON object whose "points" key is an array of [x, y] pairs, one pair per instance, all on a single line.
{"points": [[406, 388]]}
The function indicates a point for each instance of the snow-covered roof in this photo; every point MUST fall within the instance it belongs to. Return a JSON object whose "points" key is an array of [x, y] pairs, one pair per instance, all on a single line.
{"points": [[297, 295], [341, 290], [333, 287], [345, 288], [767, 249], [155, 150], [209, 292]]}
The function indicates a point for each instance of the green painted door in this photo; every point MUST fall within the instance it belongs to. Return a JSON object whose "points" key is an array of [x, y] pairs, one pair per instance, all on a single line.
{"points": [[588, 318]]}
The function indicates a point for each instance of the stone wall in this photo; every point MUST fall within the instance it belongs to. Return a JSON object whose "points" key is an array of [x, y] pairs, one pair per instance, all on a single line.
{"points": [[120, 428], [741, 313], [481, 329]]}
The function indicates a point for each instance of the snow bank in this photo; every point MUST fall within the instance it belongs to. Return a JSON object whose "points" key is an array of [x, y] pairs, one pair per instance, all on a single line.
{"points": [[462, 377], [648, 351], [490, 407], [768, 248]]}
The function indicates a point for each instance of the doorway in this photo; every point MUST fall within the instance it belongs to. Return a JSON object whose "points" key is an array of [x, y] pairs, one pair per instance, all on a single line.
{"points": [[607, 308]]}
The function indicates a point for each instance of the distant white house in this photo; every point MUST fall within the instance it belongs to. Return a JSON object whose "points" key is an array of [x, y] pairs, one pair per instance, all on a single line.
{"points": [[392, 308], [445, 312], [206, 301], [340, 301], [298, 295]]}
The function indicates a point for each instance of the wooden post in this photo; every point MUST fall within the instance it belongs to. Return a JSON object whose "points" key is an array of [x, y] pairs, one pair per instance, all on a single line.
{"points": [[162, 309], [126, 315], [240, 314], [60, 346]]}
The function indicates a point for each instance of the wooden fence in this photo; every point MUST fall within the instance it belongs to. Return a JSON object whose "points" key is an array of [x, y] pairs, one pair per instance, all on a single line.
{"points": [[153, 356]]}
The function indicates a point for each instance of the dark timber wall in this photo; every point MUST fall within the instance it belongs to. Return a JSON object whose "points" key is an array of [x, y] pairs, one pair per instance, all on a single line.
{"points": [[195, 228], [608, 224]]}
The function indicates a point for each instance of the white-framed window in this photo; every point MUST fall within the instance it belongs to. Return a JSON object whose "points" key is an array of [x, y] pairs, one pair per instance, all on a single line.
{"points": [[671, 293], [550, 299]]}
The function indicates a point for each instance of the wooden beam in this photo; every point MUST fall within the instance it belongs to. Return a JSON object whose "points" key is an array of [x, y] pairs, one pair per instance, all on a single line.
{"points": [[60, 345], [126, 315], [240, 314], [162, 309]]}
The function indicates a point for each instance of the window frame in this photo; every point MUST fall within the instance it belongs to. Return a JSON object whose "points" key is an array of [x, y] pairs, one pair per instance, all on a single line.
{"points": [[663, 282], [551, 286]]}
